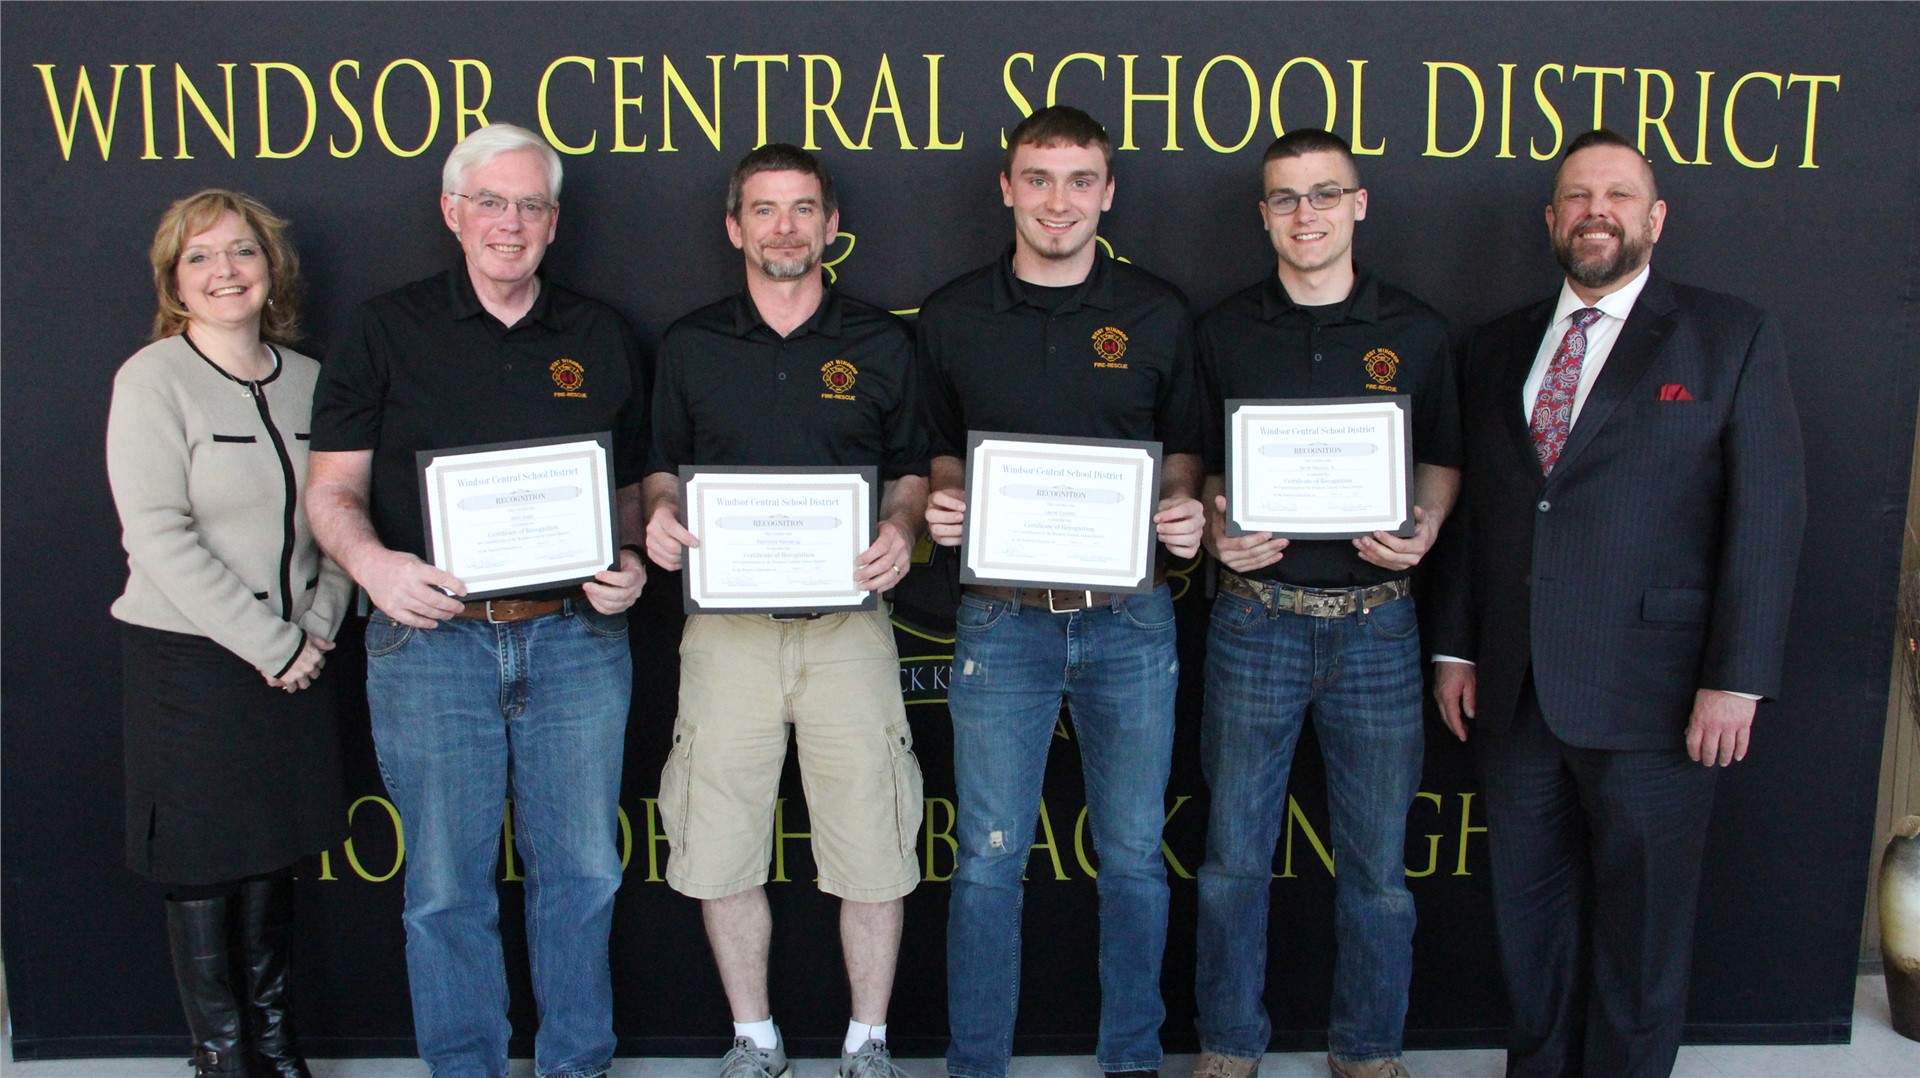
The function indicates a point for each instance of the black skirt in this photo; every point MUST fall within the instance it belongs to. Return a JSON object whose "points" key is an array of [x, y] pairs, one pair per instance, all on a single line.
{"points": [[226, 776]]}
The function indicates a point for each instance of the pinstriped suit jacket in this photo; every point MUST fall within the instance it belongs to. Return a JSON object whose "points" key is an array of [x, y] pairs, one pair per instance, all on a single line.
{"points": [[1660, 556]]}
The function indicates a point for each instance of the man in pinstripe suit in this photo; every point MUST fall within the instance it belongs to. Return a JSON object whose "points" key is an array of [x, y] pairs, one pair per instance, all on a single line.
{"points": [[1634, 501]]}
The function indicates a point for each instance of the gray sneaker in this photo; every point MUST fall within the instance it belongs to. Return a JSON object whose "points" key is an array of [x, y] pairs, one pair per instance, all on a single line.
{"points": [[871, 1061], [748, 1060]]}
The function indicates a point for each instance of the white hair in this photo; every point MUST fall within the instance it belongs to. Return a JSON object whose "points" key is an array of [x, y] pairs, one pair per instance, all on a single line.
{"points": [[490, 142]]}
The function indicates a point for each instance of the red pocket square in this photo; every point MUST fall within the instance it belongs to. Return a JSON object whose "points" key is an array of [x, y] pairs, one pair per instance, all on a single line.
{"points": [[1674, 391]]}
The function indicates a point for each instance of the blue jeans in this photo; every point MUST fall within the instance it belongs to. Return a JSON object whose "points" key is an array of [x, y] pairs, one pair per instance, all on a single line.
{"points": [[1361, 676], [1117, 669], [466, 715]]}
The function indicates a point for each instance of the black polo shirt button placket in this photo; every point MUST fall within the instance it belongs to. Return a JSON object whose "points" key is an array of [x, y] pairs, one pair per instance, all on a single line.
{"points": [[1111, 357], [425, 367], [836, 392], [1380, 340]]}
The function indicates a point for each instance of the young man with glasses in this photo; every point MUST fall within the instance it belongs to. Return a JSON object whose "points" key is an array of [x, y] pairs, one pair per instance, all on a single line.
{"points": [[524, 698], [1316, 626]]}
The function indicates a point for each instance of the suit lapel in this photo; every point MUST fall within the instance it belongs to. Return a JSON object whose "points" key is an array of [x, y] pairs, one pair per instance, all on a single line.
{"points": [[1514, 410], [1633, 352]]}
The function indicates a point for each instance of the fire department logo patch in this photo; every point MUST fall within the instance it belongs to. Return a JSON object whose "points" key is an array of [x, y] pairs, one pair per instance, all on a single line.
{"points": [[1109, 345], [570, 376], [839, 376], [1382, 364]]}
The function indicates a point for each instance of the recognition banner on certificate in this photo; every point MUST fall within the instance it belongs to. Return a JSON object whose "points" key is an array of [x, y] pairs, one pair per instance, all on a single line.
{"points": [[514, 517], [777, 540], [1060, 512], [1319, 469]]}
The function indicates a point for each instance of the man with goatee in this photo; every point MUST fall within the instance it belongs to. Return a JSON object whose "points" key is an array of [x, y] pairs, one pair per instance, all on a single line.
{"points": [[791, 372]]}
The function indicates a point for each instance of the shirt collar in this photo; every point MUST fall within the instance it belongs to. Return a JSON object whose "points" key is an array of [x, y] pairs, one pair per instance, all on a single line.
{"points": [[1615, 304], [464, 302], [825, 319], [1095, 291], [1361, 305]]}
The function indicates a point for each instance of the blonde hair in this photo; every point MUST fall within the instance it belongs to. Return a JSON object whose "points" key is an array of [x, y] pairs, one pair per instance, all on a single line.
{"points": [[280, 319]]}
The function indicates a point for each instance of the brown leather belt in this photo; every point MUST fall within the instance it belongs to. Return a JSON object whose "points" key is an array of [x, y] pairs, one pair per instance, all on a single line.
{"points": [[1313, 602], [1057, 600], [499, 611]]}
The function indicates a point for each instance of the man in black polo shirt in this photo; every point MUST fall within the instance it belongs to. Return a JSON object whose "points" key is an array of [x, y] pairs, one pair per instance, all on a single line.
{"points": [[791, 373], [1054, 339], [1320, 625], [524, 698]]}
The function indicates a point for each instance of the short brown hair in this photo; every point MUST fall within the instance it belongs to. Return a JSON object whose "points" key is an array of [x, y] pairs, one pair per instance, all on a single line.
{"points": [[1056, 125], [280, 320], [1303, 142], [1602, 136], [780, 157]]}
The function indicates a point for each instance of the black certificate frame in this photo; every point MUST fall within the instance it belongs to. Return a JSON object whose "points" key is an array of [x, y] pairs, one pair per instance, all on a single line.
{"points": [[1142, 584], [602, 485], [1404, 406], [869, 473]]}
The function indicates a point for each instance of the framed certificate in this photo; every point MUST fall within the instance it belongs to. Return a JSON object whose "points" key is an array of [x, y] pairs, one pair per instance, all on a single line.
{"points": [[1060, 512], [514, 517], [777, 540], [1333, 468]]}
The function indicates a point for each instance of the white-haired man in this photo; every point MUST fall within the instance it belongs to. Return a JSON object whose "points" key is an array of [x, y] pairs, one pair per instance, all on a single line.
{"points": [[472, 702]]}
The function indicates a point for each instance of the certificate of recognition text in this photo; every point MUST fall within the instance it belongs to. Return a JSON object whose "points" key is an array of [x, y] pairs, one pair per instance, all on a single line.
{"points": [[515, 517], [1060, 512], [1319, 469], [777, 540]]}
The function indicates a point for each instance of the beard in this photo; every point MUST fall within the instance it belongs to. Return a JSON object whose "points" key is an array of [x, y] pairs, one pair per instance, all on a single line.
{"points": [[1629, 254], [788, 263]]}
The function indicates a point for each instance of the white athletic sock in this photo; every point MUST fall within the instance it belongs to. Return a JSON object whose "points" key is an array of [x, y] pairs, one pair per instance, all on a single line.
{"points": [[763, 1034], [859, 1033]]}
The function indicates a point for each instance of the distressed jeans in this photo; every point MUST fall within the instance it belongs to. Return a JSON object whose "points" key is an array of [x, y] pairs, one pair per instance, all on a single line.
{"points": [[466, 715], [1116, 667], [1360, 675]]}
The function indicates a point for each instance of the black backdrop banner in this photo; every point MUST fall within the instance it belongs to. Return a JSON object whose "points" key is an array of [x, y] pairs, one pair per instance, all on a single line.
{"points": [[1783, 139]]}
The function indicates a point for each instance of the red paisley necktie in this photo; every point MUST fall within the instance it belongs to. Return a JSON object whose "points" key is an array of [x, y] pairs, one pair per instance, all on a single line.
{"points": [[1553, 408]]}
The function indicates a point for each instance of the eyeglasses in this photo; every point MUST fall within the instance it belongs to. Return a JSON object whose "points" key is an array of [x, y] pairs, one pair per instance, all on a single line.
{"points": [[1320, 198], [487, 205]]}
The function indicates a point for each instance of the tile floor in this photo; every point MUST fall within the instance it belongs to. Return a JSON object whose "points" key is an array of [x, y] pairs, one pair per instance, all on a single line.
{"points": [[1876, 1051]]}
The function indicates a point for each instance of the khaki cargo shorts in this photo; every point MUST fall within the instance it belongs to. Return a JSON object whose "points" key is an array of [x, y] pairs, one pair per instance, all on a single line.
{"points": [[744, 679]]}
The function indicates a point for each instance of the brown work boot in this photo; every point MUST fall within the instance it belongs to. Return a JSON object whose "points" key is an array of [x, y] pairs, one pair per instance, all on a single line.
{"points": [[1373, 1068], [1215, 1065]]}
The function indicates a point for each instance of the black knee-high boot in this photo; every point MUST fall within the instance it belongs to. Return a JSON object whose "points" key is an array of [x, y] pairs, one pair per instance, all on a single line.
{"points": [[203, 970], [266, 918]]}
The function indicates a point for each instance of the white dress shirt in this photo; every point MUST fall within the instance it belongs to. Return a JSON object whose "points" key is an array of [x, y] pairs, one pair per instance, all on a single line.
{"points": [[1615, 306]]}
